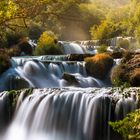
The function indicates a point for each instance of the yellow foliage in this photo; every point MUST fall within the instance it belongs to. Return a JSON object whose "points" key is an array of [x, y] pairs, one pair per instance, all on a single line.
{"points": [[46, 39]]}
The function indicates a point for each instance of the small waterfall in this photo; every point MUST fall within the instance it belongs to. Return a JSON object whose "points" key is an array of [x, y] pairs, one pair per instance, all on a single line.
{"points": [[81, 47], [70, 114]]}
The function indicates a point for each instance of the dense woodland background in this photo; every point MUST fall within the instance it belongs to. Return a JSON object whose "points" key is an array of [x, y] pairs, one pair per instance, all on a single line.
{"points": [[71, 19]]}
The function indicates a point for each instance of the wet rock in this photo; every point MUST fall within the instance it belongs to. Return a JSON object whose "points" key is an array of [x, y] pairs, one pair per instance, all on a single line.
{"points": [[70, 79], [16, 83], [79, 57], [25, 48]]}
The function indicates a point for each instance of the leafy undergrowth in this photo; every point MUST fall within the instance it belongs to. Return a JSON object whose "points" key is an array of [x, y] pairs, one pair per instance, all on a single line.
{"points": [[129, 127]]}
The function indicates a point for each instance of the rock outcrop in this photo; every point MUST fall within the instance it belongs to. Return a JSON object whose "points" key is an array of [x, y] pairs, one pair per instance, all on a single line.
{"points": [[128, 71]]}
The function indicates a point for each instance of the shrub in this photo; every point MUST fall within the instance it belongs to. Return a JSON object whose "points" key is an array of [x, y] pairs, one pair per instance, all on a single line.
{"points": [[129, 127], [102, 49], [99, 65], [123, 43], [47, 44]]}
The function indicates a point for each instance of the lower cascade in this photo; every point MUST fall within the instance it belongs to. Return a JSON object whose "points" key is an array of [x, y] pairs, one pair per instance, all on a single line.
{"points": [[70, 113]]}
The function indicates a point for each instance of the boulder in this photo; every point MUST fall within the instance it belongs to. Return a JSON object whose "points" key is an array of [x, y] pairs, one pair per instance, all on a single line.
{"points": [[72, 81], [99, 65]]}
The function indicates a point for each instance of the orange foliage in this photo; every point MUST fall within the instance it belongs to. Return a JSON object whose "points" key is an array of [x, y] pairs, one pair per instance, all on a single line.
{"points": [[98, 57], [99, 65]]}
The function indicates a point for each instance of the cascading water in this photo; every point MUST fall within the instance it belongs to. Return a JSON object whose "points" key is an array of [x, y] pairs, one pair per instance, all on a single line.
{"points": [[81, 47], [70, 114], [43, 72], [66, 113], [5, 110]]}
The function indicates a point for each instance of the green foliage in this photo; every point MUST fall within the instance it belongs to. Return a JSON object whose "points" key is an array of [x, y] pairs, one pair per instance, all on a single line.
{"points": [[123, 43], [129, 127], [102, 49], [47, 45]]}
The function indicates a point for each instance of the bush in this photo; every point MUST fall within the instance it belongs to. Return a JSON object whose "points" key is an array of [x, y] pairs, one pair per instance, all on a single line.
{"points": [[123, 43], [102, 49], [47, 45], [129, 127], [99, 65]]}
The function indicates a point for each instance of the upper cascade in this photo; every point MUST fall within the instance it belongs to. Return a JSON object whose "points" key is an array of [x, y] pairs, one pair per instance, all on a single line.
{"points": [[47, 71]]}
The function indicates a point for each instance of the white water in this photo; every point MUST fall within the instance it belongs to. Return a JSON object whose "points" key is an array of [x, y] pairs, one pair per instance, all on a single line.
{"points": [[46, 71], [69, 114], [50, 74], [82, 47]]}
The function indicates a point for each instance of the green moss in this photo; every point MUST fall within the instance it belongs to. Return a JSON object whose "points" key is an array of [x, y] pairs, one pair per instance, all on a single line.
{"points": [[102, 49]]}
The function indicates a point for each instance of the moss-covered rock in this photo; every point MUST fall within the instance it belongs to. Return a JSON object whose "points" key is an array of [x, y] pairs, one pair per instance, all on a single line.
{"points": [[79, 57], [128, 71], [16, 83], [99, 65]]}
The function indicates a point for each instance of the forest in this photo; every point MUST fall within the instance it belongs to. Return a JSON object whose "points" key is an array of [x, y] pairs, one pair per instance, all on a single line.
{"points": [[95, 19]]}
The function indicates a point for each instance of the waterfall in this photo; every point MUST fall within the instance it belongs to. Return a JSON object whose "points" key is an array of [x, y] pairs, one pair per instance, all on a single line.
{"points": [[70, 114], [47, 72], [5, 110], [80, 47]]}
